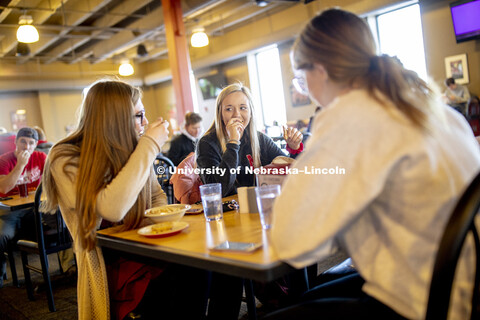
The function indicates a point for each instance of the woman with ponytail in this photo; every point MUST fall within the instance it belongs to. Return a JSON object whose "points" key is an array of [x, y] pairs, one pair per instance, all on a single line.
{"points": [[406, 159]]}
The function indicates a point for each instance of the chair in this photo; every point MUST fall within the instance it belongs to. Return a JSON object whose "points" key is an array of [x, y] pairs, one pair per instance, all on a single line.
{"points": [[460, 224], [186, 182], [49, 240], [162, 167], [9, 254], [473, 114]]}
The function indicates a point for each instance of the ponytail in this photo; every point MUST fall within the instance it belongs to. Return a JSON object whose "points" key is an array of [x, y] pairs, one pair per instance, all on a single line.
{"points": [[408, 92]]}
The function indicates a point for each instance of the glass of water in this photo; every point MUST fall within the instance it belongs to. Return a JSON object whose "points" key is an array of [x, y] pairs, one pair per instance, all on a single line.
{"points": [[212, 201], [266, 196]]}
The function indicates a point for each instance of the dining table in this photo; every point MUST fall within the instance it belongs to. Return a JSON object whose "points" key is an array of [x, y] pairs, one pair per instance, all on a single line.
{"points": [[194, 245], [16, 202]]}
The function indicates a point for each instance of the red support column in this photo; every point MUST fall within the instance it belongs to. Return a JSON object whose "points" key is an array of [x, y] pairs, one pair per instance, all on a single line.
{"points": [[178, 56]]}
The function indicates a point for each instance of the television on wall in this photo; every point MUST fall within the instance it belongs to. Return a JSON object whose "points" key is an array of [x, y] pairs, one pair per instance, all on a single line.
{"points": [[211, 85], [466, 19]]}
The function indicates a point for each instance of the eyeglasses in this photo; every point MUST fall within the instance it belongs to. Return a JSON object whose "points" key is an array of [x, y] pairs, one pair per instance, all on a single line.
{"points": [[140, 115], [299, 82]]}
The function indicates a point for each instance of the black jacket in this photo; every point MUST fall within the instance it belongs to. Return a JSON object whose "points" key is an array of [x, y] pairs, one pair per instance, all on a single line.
{"points": [[209, 155], [180, 148]]}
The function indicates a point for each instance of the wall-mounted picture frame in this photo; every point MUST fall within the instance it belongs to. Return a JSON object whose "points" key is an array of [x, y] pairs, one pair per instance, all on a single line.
{"points": [[298, 99], [19, 119], [456, 67]]}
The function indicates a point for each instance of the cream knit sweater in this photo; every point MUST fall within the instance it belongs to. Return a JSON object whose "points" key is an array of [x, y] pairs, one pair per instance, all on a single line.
{"points": [[113, 203]]}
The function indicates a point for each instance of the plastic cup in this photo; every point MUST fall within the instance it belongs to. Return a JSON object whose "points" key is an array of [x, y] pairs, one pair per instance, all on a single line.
{"points": [[266, 196], [212, 201], [22, 190]]}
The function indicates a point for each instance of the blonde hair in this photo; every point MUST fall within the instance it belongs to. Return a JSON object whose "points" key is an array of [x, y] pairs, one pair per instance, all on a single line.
{"points": [[219, 127], [99, 147], [343, 43]]}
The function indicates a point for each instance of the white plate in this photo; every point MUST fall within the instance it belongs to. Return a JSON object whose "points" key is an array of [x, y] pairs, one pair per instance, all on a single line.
{"points": [[177, 227]]}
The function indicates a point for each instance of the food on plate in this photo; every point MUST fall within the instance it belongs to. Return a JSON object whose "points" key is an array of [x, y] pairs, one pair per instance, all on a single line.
{"points": [[162, 227], [164, 209]]}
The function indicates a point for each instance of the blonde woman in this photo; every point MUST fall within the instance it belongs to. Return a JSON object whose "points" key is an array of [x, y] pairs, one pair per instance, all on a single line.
{"points": [[103, 170], [233, 136], [227, 146], [407, 159]]}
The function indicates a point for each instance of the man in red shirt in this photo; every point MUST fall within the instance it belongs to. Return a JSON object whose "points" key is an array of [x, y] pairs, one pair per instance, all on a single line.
{"points": [[22, 165], [19, 166]]}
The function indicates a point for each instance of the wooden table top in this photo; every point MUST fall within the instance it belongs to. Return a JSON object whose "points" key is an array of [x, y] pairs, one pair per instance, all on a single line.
{"points": [[192, 246], [18, 202]]}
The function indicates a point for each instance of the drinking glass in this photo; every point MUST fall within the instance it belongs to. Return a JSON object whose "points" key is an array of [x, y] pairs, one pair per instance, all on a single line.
{"points": [[22, 189], [212, 201], [266, 196]]}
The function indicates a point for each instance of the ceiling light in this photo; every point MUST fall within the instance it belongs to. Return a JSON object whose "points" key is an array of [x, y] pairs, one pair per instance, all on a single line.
{"points": [[26, 33], [199, 38], [262, 3], [125, 69]]}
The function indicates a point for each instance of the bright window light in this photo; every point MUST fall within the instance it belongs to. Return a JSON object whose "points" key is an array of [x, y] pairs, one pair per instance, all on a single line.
{"points": [[400, 34], [194, 92], [271, 87]]}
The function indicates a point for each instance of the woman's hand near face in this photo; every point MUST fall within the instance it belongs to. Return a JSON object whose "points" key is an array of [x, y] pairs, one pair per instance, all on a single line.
{"points": [[158, 131], [235, 128], [293, 137]]}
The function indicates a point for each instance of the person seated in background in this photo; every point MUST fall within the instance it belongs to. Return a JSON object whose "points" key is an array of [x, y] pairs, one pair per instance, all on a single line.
{"points": [[233, 137], [456, 96], [43, 145], [473, 109], [184, 143], [7, 142], [24, 165], [407, 162], [85, 176]]}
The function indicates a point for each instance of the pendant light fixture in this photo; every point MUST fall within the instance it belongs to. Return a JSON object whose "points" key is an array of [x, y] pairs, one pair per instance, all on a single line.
{"points": [[199, 38], [26, 33], [125, 69]]}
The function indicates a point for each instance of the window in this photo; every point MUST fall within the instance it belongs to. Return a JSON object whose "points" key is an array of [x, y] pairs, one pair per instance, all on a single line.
{"points": [[267, 87], [399, 33]]}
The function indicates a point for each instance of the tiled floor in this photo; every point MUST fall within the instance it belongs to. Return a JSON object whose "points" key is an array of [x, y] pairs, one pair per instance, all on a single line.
{"points": [[14, 303]]}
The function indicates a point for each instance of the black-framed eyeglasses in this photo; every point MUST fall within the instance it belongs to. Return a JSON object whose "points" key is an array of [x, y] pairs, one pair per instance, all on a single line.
{"points": [[140, 115]]}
